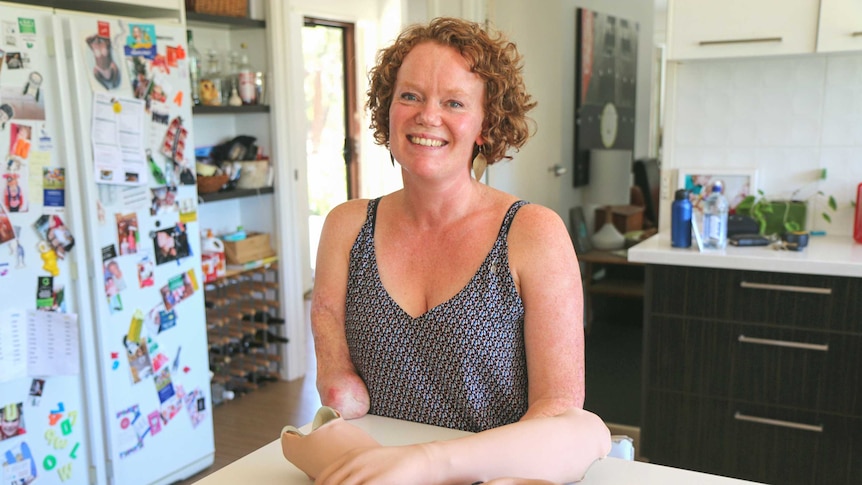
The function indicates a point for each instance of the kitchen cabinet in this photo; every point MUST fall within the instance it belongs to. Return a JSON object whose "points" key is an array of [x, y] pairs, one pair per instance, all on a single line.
{"points": [[702, 29], [840, 26], [753, 374]]}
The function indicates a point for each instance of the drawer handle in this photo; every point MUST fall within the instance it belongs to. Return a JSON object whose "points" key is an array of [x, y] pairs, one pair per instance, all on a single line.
{"points": [[795, 289], [783, 343], [777, 422], [740, 41]]}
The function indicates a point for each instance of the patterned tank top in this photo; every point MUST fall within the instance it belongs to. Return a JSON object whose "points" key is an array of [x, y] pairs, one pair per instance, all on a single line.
{"points": [[461, 364]]}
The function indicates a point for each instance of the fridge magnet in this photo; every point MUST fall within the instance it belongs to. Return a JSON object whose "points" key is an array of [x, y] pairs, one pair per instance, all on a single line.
{"points": [[54, 231], [140, 365], [49, 258], [170, 395], [7, 232], [164, 200], [14, 197], [100, 56], [12, 421], [37, 386], [159, 319], [127, 233], [7, 112], [19, 143], [142, 82], [155, 420], [171, 244], [141, 41], [146, 272], [131, 429], [45, 292], [18, 465], [196, 406], [34, 83], [114, 273], [54, 186], [14, 60], [179, 288]]}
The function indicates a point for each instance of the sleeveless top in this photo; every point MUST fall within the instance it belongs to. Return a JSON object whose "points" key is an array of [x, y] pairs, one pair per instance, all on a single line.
{"points": [[461, 364]]}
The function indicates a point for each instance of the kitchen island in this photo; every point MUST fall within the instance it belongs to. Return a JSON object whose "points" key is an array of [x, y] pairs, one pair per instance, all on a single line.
{"points": [[754, 354]]}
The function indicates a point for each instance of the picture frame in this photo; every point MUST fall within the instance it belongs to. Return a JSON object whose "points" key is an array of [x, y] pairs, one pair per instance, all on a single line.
{"points": [[579, 232], [738, 184], [605, 86]]}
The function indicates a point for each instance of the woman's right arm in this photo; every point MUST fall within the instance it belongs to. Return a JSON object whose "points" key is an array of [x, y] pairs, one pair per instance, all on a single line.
{"points": [[338, 384]]}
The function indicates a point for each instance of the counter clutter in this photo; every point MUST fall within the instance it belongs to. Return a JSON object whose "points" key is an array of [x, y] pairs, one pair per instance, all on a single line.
{"points": [[826, 255]]}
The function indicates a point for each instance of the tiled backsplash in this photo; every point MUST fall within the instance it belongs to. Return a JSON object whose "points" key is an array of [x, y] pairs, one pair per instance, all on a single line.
{"points": [[787, 117]]}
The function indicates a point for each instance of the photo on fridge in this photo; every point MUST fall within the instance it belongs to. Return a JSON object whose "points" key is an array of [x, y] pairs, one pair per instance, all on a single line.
{"points": [[12, 421], [127, 233], [14, 192], [171, 244], [179, 288], [54, 231], [18, 464], [140, 365]]}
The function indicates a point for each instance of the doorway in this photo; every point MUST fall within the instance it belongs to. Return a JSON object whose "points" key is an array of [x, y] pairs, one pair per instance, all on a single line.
{"points": [[328, 49]]}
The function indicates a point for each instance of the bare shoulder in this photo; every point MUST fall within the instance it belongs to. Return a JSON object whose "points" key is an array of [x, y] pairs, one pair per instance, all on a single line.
{"points": [[535, 221], [538, 234], [345, 219]]}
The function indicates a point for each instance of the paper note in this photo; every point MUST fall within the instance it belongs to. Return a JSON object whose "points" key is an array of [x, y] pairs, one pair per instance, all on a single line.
{"points": [[52, 343], [13, 345], [118, 140]]}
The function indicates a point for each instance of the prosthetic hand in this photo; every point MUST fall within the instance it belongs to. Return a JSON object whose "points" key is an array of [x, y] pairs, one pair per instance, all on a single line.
{"points": [[330, 437]]}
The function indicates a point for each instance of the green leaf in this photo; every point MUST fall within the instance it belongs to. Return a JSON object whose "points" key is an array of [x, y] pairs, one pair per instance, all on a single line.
{"points": [[832, 204], [827, 218], [792, 226]]}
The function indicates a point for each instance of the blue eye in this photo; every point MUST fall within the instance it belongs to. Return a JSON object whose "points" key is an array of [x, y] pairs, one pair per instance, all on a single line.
{"points": [[455, 104], [409, 97]]}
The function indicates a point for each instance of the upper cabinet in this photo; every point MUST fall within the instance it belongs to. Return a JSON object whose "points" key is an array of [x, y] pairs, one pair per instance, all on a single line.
{"points": [[840, 26], [703, 29]]}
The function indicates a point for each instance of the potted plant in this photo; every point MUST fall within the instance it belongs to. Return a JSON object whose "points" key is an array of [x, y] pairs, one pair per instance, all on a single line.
{"points": [[779, 216]]}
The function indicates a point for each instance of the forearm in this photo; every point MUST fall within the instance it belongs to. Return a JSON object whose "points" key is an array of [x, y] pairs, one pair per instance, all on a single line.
{"points": [[338, 384], [559, 449]]}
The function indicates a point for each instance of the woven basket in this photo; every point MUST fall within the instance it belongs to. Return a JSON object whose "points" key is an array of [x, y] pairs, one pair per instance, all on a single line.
{"points": [[208, 185], [227, 8]]}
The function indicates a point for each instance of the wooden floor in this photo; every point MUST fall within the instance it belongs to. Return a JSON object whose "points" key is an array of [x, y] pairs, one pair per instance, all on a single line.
{"points": [[255, 419]]}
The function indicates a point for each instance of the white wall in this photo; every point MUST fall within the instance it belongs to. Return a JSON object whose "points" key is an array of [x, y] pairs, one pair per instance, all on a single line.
{"points": [[788, 117]]}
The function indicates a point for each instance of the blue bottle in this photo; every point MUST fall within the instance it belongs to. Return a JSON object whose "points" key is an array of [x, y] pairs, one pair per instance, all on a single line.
{"points": [[680, 220]]}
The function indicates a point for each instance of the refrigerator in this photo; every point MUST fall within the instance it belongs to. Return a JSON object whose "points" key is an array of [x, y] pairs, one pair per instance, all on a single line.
{"points": [[104, 372]]}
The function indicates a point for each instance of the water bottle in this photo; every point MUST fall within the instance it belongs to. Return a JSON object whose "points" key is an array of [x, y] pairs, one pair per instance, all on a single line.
{"points": [[715, 218], [680, 220]]}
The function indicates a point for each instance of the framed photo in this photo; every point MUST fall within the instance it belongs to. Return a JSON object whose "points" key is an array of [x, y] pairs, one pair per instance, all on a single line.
{"points": [[579, 234], [606, 79], [738, 184]]}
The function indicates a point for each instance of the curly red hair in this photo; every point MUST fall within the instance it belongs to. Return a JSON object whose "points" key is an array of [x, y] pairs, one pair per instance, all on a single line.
{"points": [[494, 58]]}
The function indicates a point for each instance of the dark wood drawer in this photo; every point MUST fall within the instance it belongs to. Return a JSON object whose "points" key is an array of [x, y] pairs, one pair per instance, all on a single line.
{"points": [[794, 300], [755, 363], [760, 443]]}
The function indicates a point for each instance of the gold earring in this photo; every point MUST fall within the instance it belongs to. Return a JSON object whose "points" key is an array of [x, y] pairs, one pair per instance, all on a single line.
{"points": [[480, 163]]}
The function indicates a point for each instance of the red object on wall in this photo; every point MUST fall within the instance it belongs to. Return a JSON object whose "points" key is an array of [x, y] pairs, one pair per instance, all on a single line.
{"points": [[857, 225]]}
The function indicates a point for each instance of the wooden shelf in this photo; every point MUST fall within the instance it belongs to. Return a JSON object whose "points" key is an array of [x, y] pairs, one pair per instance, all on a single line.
{"points": [[206, 20], [618, 287], [235, 194], [218, 110]]}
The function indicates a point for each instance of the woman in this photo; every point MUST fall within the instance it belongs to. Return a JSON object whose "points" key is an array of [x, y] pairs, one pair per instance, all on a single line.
{"points": [[449, 302]]}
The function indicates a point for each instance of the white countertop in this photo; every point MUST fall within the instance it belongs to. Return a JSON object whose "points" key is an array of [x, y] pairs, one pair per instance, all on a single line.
{"points": [[825, 255], [268, 465]]}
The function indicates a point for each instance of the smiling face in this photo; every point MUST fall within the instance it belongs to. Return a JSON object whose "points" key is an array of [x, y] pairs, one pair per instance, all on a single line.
{"points": [[437, 111]]}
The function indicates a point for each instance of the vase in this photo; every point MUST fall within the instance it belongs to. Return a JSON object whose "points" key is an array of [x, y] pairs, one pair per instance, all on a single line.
{"points": [[608, 238]]}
